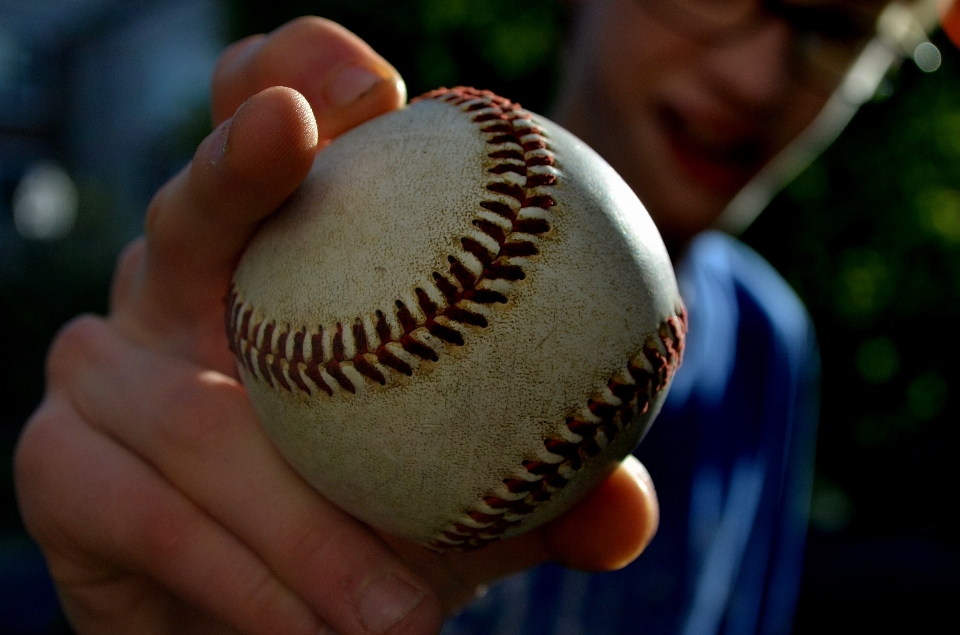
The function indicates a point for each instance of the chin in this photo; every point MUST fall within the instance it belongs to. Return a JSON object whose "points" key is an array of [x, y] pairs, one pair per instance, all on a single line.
{"points": [[682, 207]]}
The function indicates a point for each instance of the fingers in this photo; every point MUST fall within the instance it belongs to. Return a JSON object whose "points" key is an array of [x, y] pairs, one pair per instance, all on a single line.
{"points": [[102, 515], [200, 222], [605, 531], [342, 78], [623, 514], [193, 433], [197, 430]]}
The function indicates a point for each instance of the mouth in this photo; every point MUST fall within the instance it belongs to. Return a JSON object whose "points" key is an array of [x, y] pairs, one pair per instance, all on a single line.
{"points": [[721, 156]]}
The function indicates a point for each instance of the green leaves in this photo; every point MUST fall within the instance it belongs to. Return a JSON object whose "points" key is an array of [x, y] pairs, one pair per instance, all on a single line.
{"points": [[878, 360], [869, 236], [939, 210], [865, 284]]}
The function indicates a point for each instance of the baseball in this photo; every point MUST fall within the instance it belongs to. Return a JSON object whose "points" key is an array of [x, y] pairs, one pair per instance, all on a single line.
{"points": [[460, 323]]}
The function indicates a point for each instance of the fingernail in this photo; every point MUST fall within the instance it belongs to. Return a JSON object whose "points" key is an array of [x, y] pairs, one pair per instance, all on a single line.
{"points": [[387, 601], [640, 473], [351, 84]]}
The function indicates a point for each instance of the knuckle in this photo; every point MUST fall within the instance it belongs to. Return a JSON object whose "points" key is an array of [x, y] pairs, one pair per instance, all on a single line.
{"points": [[128, 262], [165, 532], [351, 564], [154, 208], [38, 480], [131, 256], [29, 457], [269, 607], [320, 545], [163, 229], [341, 548], [158, 205], [168, 535], [323, 40], [309, 27], [79, 343]]}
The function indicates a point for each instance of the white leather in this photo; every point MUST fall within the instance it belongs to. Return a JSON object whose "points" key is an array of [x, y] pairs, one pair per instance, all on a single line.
{"points": [[384, 208]]}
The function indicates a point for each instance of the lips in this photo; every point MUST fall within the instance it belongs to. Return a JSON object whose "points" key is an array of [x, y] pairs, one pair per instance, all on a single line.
{"points": [[718, 153]]}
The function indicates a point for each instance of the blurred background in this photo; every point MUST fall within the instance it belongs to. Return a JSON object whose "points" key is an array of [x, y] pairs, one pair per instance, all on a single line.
{"points": [[101, 101]]}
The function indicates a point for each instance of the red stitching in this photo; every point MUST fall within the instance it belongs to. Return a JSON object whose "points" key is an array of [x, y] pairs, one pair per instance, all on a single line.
{"points": [[646, 374], [459, 288]]}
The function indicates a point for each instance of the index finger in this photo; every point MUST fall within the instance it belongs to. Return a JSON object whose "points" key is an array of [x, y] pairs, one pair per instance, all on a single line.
{"points": [[330, 66], [169, 291]]}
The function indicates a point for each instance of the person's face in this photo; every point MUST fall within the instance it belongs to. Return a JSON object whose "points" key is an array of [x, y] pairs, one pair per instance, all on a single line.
{"points": [[687, 122]]}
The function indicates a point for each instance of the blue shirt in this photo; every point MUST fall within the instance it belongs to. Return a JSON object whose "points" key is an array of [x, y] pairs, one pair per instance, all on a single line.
{"points": [[731, 455]]}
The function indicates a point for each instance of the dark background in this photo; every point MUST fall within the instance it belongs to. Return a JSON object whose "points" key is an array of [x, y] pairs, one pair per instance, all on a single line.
{"points": [[869, 236]]}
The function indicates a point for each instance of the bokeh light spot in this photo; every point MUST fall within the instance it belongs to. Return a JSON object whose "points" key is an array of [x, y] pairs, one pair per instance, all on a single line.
{"points": [[45, 203], [927, 57], [878, 360], [943, 213], [864, 285], [831, 509], [927, 395]]}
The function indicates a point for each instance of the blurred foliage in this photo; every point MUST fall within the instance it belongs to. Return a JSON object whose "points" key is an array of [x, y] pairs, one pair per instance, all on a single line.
{"points": [[505, 46], [869, 236]]}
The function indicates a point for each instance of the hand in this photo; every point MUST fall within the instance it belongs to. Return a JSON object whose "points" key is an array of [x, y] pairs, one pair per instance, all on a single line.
{"points": [[144, 475]]}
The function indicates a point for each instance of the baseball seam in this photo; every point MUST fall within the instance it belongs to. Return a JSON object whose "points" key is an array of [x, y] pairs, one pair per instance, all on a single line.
{"points": [[492, 257], [514, 219], [628, 395]]}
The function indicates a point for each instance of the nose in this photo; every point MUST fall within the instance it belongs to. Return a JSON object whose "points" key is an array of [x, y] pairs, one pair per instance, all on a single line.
{"points": [[754, 70]]}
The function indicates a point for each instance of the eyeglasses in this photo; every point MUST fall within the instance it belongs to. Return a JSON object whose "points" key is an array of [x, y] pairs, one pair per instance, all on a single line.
{"points": [[827, 37]]}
